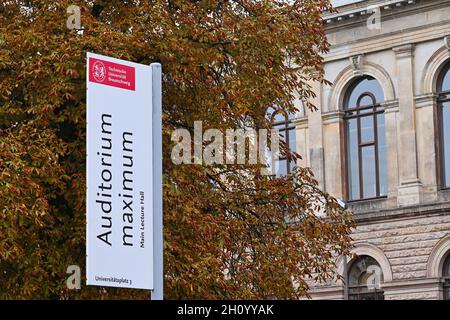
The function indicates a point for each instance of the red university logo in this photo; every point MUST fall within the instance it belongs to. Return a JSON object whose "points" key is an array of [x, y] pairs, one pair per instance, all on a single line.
{"points": [[112, 74], [99, 71]]}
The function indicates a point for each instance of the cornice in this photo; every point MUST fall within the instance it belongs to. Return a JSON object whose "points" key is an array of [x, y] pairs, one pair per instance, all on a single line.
{"points": [[300, 123], [332, 117], [383, 42], [425, 100], [437, 209], [347, 14]]}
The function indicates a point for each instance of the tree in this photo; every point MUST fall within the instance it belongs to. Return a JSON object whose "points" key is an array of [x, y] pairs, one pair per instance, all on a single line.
{"points": [[224, 62]]}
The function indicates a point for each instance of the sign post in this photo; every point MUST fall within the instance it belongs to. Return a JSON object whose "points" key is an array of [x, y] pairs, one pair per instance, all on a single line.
{"points": [[124, 174], [157, 293]]}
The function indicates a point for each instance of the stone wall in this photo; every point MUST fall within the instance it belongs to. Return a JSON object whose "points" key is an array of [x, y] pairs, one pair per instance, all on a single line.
{"points": [[407, 239]]}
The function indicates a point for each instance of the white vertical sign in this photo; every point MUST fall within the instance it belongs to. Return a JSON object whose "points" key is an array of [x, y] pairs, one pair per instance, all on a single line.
{"points": [[120, 239]]}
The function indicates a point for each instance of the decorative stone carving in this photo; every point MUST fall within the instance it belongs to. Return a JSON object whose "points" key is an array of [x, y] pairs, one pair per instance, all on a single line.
{"points": [[447, 42], [357, 63]]}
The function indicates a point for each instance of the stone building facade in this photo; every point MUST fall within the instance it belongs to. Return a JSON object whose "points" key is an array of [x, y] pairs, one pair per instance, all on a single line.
{"points": [[380, 141]]}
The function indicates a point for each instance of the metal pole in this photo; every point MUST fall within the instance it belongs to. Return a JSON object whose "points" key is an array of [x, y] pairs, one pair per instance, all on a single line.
{"points": [[158, 286]]}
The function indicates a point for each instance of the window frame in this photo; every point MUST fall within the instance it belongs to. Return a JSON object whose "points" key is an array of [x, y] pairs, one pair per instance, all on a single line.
{"points": [[446, 277], [442, 97], [375, 108], [287, 127], [360, 291]]}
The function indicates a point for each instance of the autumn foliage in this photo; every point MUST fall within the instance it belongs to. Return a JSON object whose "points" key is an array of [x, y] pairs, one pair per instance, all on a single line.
{"points": [[229, 231]]}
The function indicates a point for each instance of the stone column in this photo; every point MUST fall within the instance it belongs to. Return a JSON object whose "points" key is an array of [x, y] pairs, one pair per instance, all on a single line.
{"points": [[333, 133], [390, 119], [316, 156], [301, 147], [427, 127], [410, 188]]}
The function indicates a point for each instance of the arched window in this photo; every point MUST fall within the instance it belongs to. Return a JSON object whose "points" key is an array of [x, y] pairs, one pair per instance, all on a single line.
{"points": [[365, 140], [443, 87], [446, 276], [282, 121], [364, 279]]}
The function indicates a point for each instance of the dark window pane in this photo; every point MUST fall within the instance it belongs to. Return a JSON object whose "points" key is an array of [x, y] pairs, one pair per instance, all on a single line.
{"points": [[292, 140], [368, 171], [281, 168], [365, 96], [276, 115], [279, 116], [282, 133], [368, 84], [446, 272], [292, 165], [362, 268], [382, 154], [292, 145], [446, 81], [353, 165], [280, 127], [367, 130], [446, 141], [268, 159], [366, 101], [365, 279]]}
